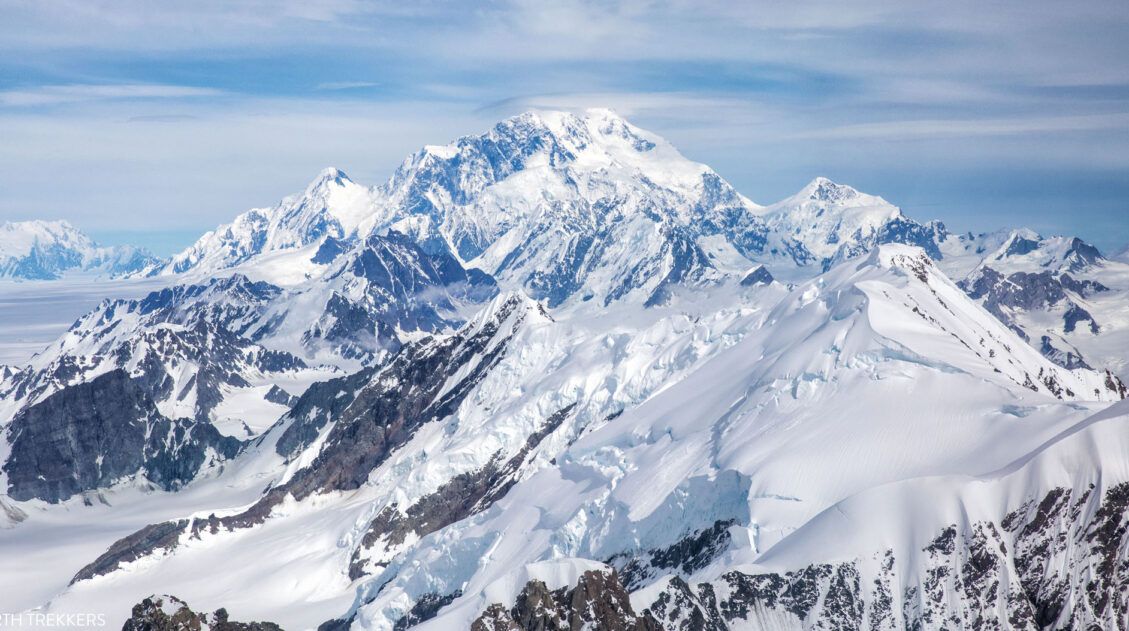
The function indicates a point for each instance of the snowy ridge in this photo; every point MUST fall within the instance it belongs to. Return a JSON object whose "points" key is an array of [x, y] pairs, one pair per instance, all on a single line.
{"points": [[47, 250], [331, 206]]}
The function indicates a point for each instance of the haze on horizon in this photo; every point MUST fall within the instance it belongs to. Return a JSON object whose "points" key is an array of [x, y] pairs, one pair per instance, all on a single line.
{"points": [[151, 123]]}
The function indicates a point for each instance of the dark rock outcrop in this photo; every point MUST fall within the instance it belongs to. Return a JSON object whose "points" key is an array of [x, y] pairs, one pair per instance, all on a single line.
{"points": [[91, 435], [598, 602], [411, 389], [1058, 562], [162, 536], [1023, 291], [169, 613], [426, 608], [758, 276], [685, 556]]}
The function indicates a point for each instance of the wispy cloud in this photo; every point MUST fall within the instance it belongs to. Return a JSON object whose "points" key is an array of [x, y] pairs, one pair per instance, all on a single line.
{"points": [[162, 118], [73, 93], [940, 128], [346, 85]]}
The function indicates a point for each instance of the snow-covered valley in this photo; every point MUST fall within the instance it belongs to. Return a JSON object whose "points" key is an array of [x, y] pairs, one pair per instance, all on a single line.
{"points": [[557, 376]]}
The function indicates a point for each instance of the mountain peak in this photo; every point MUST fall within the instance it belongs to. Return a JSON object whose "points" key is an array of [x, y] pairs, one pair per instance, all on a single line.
{"points": [[46, 249], [42, 227], [328, 176], [900, 256], [824, 190]]}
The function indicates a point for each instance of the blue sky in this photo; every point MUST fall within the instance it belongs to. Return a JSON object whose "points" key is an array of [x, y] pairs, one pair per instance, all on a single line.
{"points": [[150, 122]]}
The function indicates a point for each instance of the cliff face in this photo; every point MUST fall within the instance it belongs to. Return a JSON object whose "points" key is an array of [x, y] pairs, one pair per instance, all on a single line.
{"points": [[93, 434]]}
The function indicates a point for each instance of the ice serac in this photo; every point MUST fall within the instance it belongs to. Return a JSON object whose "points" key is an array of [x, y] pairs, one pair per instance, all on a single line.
{"points": [[48, 250]]}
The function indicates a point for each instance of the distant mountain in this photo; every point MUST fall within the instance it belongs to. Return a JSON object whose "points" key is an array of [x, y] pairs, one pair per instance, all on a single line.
{"points": [[46, 250], [1060, 294], [826, 223]]}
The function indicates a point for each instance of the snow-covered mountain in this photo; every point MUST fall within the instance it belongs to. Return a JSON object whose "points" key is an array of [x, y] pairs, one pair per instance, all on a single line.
{"points": [[332, 206], [546, 377], [46, 250], [570, 207], [1060, 294], [566, 206], [826, 223], [235, 351]]}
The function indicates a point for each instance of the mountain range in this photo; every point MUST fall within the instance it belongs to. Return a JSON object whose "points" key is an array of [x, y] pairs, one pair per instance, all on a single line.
{"points": [[48, 250], [557, 376]]}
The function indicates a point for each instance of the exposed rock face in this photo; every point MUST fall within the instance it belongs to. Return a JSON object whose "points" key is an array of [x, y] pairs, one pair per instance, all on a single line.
{"points": [[758, 276], [404, 394], [321, 402], [1022, 290], [425, 609], [686, 556], [169, 613], [193, 344], [1056, 563], [598, 602], [163, 536], [91, 435], [1031, 292], [186, 344], [1070, 358]]}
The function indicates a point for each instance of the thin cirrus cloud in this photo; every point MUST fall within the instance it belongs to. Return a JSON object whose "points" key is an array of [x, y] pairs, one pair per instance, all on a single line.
{"points": [[346, 85], [77, 93], [938, 128]]}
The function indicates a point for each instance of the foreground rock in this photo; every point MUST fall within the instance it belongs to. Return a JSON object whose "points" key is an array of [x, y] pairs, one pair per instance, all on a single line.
{"points": [[598, 602], [169, 613]]}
